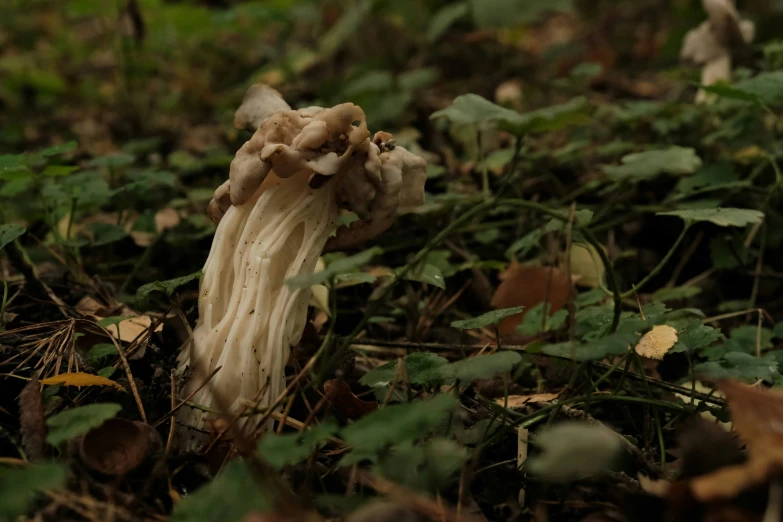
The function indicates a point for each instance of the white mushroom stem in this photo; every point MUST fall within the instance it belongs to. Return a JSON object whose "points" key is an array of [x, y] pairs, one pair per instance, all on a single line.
{"points": [[711, 43], [248, 317], [275, 214]]}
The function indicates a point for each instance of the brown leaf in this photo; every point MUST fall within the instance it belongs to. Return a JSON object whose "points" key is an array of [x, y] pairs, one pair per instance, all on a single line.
{"points": [[757, 413], [118, 446], [528, 286], [342, 398], [31, 419]]}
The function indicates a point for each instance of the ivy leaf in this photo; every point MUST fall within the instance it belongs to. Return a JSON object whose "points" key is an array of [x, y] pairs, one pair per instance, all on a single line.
{"points": [[724, 90], [78, 421], [110, 321], [614, 344], [472, 109], [695, 336], [142, 299], [533, 321], [739, 365], [228, 498], [444, 18], [481, 367], [420, 368], [101, 350], [429, 274], [675, 294], [423, 467], [723, 217], [493, 317], [18, 486], [58, 170], [395, 424], [340, 266], [58, 149], [767, 87], [285, 450], [106, 233], [9, 232], [652, 163], [112, 161], [548, 119], [572, 450]]}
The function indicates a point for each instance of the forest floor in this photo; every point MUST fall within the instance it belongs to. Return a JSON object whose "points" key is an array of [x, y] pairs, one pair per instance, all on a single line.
{"points": [[582, 321]]}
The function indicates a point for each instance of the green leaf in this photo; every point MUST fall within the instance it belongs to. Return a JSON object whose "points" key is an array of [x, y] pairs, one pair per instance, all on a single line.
{"points": [[106, 372], [142, 299], [101, 350], [739, 365], [423, 467], [724, 90], [675, 294], [78, 421], [59, 170], [417, 78], [445, 18], [572, 450], [493, 317], [353, 278], [767, 87], [617, 343], [708, 179], [533, 322], [341, 266], [481, 367], [395, 424], [10, 232], [729, 252], [695, 336], [429, 274], [420, 368], [472, 109], [289, 449], [231, 496], [524, 244], [554, 118], [505, 13], [19, 486], [723, 217], [58, 149], [106, 233], [652, 163], [112, 161]]}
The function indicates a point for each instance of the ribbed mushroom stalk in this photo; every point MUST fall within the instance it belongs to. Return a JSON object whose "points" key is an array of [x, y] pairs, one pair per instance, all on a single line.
{"points": [[711, 43], [275, 216]]}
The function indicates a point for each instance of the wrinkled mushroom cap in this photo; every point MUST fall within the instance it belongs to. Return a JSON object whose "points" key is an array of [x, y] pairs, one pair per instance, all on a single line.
{"points": [[714, 38], [375, 178]]}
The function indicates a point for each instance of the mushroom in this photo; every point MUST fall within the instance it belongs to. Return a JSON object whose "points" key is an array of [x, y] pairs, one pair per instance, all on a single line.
{"points": [[275, 215], [711, 43]]}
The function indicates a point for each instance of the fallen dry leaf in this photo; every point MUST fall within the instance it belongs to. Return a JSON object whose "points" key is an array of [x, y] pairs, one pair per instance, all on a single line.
{"points": [[129, 329], [31, 420], [655, 343], [528, 286], [341, 397], [81, 379], [520, 401], [118, 446]]}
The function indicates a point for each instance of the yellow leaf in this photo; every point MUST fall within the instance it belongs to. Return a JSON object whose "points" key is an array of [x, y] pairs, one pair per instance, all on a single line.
{"points": [[655, 343], [81, 379]]}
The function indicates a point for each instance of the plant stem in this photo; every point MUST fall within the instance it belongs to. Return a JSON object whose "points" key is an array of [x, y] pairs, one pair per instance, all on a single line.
{"points": [[660, 265]]}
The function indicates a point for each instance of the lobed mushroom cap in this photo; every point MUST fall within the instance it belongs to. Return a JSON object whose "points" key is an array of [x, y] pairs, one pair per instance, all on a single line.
{"points": [[374, 177], [715, 37]]}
